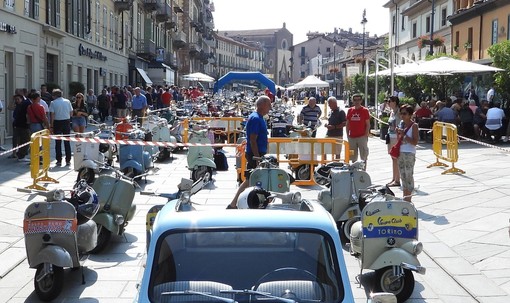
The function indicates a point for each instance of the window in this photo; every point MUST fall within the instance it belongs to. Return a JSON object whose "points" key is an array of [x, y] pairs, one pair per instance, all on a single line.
{"points": [[111, 29], [53, 13], [302, 60], [427, 24], [9, 4], [302, 51], [32, 9], [403, 21], [77, 17], [328, 50], [302, 75], [415, 30], [507, 29], [105, 23], [98, 26], [494, 31], [443, 17], [393, 24]]}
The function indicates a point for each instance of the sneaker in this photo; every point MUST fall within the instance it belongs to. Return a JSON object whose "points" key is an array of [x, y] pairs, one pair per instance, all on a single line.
{"points": [[68, 163], [12, 156], [58, 164], [505, 139], [23, 160]]}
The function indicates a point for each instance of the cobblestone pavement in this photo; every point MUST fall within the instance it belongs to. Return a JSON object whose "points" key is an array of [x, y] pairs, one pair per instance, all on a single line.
{"points": [[463, 225]]}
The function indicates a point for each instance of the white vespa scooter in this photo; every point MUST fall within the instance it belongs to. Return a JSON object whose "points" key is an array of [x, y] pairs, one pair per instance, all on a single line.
{"points": [[200, 156], [386, 240], [58, 234], [342, 197]]}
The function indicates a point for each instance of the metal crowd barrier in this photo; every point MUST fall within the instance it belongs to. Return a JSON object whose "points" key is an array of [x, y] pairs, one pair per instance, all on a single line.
{"points": [[300, 151], [227, 126], [40, 159], [445, 134]]}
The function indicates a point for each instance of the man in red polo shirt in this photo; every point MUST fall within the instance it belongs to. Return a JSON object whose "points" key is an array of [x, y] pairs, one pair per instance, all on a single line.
{"points": [[358, 128], [166, 97]]}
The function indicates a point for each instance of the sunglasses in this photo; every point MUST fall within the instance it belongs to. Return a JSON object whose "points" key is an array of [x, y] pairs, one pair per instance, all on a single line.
{"points": [[404, 113]]}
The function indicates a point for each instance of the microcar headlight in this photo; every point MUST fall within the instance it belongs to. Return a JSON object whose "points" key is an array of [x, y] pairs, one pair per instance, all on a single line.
{"points": [[58, 195], [119, 219], [296, 197], [413, 247]]}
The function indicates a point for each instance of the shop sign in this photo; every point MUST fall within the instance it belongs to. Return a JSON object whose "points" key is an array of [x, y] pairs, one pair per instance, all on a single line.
{"points": [[82, 51]]}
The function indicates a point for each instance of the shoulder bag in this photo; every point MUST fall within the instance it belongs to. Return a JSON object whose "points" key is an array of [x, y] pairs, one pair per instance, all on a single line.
{"points": [[395, 149]]}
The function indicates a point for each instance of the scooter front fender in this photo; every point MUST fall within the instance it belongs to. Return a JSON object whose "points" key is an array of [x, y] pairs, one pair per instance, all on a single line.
{"points": [[391, 257], [107, 220], [202, 161], [90, 164], [53, 254], [132, 163]]}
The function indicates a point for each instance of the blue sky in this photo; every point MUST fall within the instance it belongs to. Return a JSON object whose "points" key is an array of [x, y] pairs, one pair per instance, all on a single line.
{"points": [[301, 16]]}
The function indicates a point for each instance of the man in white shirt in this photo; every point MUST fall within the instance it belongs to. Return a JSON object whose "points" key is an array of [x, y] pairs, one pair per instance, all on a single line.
{"points": [[494, 124], [490, 95]]}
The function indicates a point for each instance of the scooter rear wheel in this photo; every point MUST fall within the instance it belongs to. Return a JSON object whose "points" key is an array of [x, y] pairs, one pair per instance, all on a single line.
{"points": [[204, 172], [48, 287], [303, 172], [103, 238], [401, 287], [130, 172], [344, 229], [88, 174]]}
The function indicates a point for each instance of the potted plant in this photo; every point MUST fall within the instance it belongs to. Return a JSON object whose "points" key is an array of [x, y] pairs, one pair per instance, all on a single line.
{"points": [[438, 41], [456, 48], [467, 45]]}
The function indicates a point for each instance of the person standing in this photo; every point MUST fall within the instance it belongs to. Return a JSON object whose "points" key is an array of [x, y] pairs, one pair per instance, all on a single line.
{"points": [[490, 95], [36, 114], [358, 128], [139, 104], [45, 95], [256, 145], [393, 123], [336, 123], [121, 103], [408, 133], [91, 101], [310, 114], [103, 105], [21, 127], [79, 116], [61, 111], [166, 98]]}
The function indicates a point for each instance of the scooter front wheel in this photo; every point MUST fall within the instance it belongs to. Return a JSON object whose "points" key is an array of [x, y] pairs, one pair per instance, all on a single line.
{"points": [[130, 172], [87, 174], [402, 287], [344, 229], [103, 238], [48, 285], [303, 172], [204, 172]]}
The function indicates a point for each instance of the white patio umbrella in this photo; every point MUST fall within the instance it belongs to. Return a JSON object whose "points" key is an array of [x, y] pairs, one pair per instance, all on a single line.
{"points": [[311, 81], [198, 77], [447, 65]]}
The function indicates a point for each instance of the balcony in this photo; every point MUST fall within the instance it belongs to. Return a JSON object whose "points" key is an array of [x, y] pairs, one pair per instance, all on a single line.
{"points": [[170, 60], [209, 40], [150, 5], [122, 5], [179, 39], [194, 49], [172, 21], [163, 12], [146, 49], [209, 20]]}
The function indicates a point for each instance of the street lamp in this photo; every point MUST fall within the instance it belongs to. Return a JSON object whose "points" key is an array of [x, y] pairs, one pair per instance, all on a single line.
{"points": [[334, 69], [363, 22], [432, 27], [318, 58]]}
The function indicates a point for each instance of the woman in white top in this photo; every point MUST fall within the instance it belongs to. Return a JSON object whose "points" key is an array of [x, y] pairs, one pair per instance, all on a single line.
{"points": [[408, 132], [393, 123]]}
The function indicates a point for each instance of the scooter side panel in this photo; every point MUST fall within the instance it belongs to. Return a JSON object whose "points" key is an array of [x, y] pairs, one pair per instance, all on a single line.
{"points": [[204, 162], [341, 191], [132, 163], [107, 221]]}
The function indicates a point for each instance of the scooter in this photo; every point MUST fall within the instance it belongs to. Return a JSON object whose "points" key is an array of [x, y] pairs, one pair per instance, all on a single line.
{"points": [[160, 132], [136, 160], [92, 157], [186, 189], [269, 176], [116, 195], [200, 158], [58, 234], [342, 198], [301, 171], [386, 240]]}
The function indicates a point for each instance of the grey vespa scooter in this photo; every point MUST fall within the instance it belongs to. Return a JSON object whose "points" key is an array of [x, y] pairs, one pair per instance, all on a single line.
{"points": [[58, 234]]}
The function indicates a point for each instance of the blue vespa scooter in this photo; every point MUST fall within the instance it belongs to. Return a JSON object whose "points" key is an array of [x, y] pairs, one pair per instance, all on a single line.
{"points": [[135, 160]]}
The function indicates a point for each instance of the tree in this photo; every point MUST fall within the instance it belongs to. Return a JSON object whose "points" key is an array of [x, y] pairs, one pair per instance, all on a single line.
{"points": [[499, 53]]}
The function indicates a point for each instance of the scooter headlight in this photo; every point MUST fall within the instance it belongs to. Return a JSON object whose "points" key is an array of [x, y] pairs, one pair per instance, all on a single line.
{"points": [[185, 197], [296, 197], [58, 195], [414, 247], [119, 219]]}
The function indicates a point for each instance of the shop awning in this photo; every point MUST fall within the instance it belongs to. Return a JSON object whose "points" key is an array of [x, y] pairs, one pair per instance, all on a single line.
{"points": [[144, 76]]}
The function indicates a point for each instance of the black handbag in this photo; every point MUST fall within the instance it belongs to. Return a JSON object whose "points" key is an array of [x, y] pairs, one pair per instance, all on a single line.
{"points": [[387, 138]]}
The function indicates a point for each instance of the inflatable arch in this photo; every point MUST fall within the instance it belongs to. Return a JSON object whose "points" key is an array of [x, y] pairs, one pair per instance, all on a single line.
{"points": [[230, 76]]}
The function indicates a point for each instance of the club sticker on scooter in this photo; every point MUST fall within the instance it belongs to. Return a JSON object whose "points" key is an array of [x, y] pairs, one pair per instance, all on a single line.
{"points": [[49, 225], [386, 226]]}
